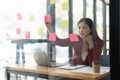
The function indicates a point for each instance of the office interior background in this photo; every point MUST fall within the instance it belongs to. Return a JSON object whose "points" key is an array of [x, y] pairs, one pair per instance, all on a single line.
{"points": [[20, 17]]}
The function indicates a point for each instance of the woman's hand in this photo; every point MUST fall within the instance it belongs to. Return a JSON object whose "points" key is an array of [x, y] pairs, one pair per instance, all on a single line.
{"points": [[89, 41], [49, 26]]}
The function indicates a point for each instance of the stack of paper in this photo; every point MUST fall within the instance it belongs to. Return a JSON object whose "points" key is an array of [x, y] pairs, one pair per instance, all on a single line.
{"points": [[89, 69], [71, 67]]}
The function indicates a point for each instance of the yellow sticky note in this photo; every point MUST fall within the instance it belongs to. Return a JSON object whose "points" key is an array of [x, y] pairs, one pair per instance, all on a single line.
{"points": [[65, 6], [64, 24], [40, 31], [52, 1], [31, 17]]}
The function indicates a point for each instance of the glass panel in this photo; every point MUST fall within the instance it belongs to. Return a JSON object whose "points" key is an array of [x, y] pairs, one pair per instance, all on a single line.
{"points": [[77, 14], [61, 26]]}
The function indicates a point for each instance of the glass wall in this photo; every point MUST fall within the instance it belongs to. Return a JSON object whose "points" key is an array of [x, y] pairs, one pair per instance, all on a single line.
{"points": [[19, 17]]}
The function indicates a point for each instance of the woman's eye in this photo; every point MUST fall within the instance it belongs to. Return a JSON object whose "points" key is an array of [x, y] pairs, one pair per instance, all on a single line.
{"points": [[79, 27], [84, 27]]}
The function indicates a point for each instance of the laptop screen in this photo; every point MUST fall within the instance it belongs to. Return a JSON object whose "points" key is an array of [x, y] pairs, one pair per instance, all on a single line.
{"points": [[41, 58]]}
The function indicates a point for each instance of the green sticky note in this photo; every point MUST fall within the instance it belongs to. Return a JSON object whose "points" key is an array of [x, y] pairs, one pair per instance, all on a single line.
{"points": [[31, 17], [52, 1], [40, 31], [65, 6], [64, 24]]}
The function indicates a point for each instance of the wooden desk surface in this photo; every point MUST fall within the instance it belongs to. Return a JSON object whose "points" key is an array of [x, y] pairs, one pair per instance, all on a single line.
{"points": [[34, 68]]}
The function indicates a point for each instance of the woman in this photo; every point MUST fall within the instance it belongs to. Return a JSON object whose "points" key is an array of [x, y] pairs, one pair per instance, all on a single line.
{"points": [[88, 48]]}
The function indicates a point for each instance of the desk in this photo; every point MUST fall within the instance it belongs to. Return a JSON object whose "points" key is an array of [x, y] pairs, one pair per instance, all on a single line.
{"points": [[43, 72], [20, 46]]}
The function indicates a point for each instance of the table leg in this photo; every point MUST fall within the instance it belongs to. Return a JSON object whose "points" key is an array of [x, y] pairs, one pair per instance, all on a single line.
{"points": [[7, 75], [23, 54], [17, 53]]}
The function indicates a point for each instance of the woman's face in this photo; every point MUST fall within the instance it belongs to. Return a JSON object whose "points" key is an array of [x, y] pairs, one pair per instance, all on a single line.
{"points": [[84, 30]]}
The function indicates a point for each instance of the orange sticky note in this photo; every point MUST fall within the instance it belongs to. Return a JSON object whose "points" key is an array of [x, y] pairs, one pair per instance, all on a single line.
{"points": [[52, 37], [27, 35], [18, 30], [47, 18], [19, 16], [73, 37]]}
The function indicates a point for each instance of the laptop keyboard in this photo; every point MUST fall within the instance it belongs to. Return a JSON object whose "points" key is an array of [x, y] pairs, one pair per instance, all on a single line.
{"points": [[54, 64]]}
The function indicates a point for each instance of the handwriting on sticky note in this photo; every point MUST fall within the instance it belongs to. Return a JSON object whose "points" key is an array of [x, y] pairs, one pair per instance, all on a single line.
{"points": [[19, 16], [27, 35], [18, 30], [52, 37], [73, 37], [47, 18]]}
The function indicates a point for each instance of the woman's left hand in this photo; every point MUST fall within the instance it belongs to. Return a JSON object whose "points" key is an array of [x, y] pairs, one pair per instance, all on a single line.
{"points": [[89, 41]]}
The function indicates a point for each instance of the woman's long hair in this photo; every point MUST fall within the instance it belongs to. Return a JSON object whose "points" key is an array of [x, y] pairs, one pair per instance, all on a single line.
{"points": [[94, 33]]}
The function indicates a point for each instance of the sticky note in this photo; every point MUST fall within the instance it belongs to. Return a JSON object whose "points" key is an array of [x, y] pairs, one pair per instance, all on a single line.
{"points": [[73, 37], [31, 18], [40, 31], [52, 1], [52, 37], [65, 6], [19, 16], [27, 35], [47, 18], [64, 24], [18, 30]]}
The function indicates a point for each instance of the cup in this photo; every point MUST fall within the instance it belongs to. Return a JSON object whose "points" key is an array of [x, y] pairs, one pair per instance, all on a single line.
{"points": [[96, 66]]}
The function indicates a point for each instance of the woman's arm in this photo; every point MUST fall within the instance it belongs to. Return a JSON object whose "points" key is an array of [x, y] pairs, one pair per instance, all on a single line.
{"points": [[60, 42], [97, 54], [49, 27], [63, 42]]}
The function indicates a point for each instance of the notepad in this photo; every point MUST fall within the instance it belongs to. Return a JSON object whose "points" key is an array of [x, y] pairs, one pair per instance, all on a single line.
{"points": [[73, 37], [71, 67], [52, 37]]}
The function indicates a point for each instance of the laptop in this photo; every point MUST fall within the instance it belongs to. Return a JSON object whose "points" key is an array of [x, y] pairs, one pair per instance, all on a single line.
{"points": [[41, 58]]}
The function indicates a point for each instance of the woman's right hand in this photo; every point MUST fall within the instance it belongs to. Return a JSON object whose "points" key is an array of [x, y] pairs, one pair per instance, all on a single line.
{"points": [[90, 41], [49, 26]]}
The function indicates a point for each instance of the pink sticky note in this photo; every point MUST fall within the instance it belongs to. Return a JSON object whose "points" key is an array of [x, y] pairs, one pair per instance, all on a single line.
{"points": [[52, 37], [47, 18], [18, 30], [19, 16], [27, 35], [73, 37]]}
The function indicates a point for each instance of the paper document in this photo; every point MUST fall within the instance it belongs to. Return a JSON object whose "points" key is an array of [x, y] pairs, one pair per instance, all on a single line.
{"points": [[89, 70], [71, 67]]}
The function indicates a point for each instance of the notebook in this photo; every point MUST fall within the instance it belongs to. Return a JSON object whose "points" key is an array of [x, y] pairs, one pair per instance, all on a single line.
{"points": [[68, 66], [41, 58]]}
